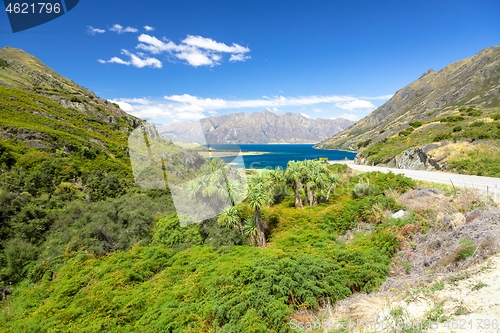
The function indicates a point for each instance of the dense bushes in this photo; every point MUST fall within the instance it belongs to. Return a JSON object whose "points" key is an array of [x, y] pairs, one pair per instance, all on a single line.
{"points": [[406, 132], [452, 119], [441, 137], [231, 290]]}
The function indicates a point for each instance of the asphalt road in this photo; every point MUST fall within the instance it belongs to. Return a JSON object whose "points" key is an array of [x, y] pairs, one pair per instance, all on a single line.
{"points": [[487, 185]]}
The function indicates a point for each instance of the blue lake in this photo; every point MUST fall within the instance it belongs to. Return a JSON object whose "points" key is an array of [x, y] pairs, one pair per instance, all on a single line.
{"points": [[279, 155]]}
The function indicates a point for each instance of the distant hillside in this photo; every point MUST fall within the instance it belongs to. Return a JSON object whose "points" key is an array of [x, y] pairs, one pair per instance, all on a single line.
{"points": [[470, 82], [257, 127]]}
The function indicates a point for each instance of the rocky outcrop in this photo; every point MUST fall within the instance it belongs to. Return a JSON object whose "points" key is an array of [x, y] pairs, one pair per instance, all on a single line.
{"points": [[418, 158]]}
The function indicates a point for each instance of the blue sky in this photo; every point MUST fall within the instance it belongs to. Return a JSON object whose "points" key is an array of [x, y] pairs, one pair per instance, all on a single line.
{"points": [[166, 61]]}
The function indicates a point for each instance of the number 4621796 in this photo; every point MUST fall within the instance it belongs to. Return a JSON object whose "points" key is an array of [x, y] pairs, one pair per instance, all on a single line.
{"points": [[39, 8]]}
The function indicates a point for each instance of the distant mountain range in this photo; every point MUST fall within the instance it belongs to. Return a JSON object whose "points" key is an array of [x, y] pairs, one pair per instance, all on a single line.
{"points": [[257, 128], [473, 82]]}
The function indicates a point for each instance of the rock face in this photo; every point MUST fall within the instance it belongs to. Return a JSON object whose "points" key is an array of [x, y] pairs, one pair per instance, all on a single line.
{"points": [[258, 127], [473, 80], [418, 158]]}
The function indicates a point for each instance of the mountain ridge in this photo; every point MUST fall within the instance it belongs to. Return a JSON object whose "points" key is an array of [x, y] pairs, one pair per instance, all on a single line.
{"points": [[472, 81], [254, 128]]}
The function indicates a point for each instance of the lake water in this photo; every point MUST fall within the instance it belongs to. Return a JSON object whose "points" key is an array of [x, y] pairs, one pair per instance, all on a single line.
{"points": [[279, 155]]}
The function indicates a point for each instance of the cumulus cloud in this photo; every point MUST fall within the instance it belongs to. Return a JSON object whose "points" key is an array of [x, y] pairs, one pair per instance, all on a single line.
{"points": [[306, 115], [194, 50], [238, 57], [93, 31], [120, 29], [210, 44], [356, 104], [350, 116], [138, 60]]}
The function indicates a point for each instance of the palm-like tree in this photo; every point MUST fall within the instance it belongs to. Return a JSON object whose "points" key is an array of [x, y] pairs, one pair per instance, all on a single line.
{"points": [[317, 179], [249, 229], [258, 196], [293, 175], [230, 218], [332, 180], [214, 185]]}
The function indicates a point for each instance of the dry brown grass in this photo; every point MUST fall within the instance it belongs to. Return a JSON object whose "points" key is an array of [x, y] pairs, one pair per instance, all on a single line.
{"points": [[452, 150], [467, 199]]}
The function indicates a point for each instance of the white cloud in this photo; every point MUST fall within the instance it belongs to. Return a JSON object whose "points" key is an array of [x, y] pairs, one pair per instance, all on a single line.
{"points": [[275, 101], [356, 104], [306, 115], [137, 60], [120, 29], [238, 57], [92, 31], [154, 45], [189, 107], [117, 60], [383, 97], [210, 44], [195, 57], [194, 50], [351, 117]]}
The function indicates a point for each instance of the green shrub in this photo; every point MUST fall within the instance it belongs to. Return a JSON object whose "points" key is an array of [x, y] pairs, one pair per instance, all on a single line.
{"points": [[415, 124], [465, 250], [441, 137], [6, 157], [75, 99], [19, 254], [495, 116], [170, 233], [470, 111], [457, 128], [4, 64], [406, 132], [477, 124], [476, 134], [364, 143], [361, 190], [115, 105], [407, 266]]}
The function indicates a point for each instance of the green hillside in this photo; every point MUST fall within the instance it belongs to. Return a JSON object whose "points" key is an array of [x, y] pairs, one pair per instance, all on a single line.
{"points": [[472, 82], [450, 115], [84, 249]]}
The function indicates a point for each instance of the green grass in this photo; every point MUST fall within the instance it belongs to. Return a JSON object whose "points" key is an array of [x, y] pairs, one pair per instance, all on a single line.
{"points": [[201, 288]]}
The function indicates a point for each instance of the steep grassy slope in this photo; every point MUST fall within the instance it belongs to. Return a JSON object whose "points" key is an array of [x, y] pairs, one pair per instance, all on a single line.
{"points": [[470, 82], [22, 70]]}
